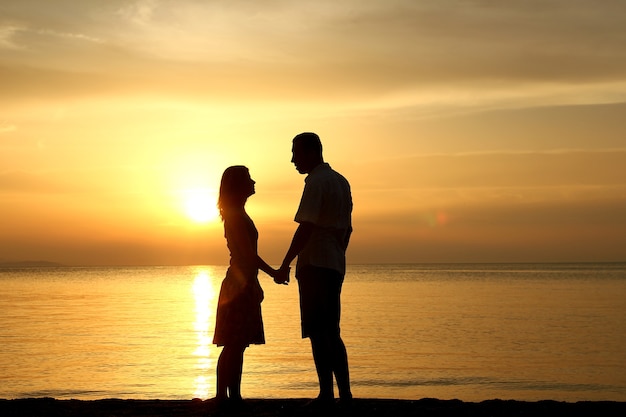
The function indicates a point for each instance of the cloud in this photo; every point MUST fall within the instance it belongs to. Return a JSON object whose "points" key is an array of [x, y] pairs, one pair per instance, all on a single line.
{"points": [[7, 34], [7, 127], [139, 12], [408, 39], [441, 56], [28, 183], [525, 171], [69, 36]]}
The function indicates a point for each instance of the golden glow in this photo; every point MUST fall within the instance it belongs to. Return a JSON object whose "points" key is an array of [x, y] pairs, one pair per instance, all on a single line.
{"points": [[485, 138], [204, 296], [200, 205]]}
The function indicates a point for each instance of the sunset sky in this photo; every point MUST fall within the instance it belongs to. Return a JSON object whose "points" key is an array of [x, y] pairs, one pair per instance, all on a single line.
{"points": [[471, 131]]}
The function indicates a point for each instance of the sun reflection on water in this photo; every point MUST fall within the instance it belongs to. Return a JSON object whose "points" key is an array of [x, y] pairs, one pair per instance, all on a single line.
{"points": [[204, 295]]}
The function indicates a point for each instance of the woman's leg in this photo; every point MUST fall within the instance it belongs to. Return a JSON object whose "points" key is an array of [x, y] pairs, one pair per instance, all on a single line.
{"points": [[223, 374], [229, 369], [237, 370]]}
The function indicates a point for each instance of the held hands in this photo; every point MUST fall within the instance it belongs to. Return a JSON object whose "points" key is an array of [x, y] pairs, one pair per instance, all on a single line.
{"points": [[281, 276]]}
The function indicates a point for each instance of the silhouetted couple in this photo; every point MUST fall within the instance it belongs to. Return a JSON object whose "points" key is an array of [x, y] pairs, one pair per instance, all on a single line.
{"points": [[319, 243]]}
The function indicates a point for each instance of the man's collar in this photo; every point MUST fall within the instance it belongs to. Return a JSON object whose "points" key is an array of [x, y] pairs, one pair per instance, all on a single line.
{"points": [[320, 166]]}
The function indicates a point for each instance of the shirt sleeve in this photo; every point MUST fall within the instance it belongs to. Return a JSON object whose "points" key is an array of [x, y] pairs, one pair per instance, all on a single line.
{"points": [[310, 204]]}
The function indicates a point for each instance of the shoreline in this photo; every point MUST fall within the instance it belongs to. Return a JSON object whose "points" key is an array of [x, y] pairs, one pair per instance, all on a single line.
{"points": [[365, 407]]}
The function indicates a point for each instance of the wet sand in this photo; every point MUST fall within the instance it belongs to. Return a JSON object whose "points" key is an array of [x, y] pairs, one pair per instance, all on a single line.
{"points": [[297, 407]]}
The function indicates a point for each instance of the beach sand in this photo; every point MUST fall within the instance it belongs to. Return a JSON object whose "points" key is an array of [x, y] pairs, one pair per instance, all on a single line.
{"points": [[50, 407]]}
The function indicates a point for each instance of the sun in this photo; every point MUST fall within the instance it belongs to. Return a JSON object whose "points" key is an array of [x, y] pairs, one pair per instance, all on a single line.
{"points": [[200, 205]]}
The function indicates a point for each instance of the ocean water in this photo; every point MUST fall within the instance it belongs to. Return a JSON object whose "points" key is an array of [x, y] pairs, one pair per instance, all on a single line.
{"points": [[472, 332]]}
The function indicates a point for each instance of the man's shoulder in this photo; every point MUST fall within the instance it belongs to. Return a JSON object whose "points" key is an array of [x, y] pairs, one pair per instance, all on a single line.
{"points": [[338, 178], [324, 172]]}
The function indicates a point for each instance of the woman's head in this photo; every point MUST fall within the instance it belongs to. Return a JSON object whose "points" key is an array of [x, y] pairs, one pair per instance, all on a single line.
{"points": [[235, 188]]}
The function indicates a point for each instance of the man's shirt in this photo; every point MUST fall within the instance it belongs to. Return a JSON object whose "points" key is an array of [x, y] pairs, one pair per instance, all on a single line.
{"points": [[327, 204]]}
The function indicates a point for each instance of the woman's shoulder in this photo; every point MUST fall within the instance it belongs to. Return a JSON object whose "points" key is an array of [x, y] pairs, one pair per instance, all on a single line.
{"points": [[237, 220]]}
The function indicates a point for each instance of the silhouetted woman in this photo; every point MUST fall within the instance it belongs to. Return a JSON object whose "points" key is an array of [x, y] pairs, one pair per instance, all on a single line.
{"points": [[238, 320]]}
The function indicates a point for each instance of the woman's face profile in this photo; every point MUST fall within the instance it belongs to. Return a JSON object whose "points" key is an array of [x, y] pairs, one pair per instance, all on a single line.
{"points": [[248, 185]]}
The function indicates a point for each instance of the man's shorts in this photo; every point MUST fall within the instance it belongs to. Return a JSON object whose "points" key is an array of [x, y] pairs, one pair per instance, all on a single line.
{"points": [[320, 300]]}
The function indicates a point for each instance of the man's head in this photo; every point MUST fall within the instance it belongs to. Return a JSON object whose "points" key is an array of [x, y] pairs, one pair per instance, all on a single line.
{"points": [[306, 152]]}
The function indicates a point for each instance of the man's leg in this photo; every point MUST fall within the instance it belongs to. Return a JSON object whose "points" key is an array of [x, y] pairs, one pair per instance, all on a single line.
{"points": [[322, 356], [320, 291], [340, 369]]}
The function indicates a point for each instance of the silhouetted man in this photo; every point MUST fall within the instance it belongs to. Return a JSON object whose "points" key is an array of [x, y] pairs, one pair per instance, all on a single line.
{"points": [[320, 243]]}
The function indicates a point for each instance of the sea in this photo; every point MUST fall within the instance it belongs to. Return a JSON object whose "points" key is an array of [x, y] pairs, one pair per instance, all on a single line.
{"points": [[472, 332]]}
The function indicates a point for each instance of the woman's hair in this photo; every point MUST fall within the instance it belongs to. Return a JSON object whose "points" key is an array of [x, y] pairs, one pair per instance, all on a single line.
{"points": [[232, 191]]}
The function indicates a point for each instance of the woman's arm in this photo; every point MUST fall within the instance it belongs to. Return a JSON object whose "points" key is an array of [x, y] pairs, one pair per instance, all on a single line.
{"points": [[243, 244], [263, 266]]}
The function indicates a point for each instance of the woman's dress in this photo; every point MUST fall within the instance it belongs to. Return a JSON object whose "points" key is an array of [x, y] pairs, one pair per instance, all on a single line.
{"points": [[238, 320]]}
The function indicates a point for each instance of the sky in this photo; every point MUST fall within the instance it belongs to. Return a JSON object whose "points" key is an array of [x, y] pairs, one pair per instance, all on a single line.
{"points": [[470, 131]]}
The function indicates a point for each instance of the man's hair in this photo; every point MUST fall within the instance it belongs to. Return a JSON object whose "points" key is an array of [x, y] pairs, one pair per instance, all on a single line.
{"points": [[309, 142]]}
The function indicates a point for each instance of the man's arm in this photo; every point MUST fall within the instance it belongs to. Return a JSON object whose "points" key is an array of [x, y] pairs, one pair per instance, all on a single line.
{"points": [[300, 238], [346, 240]]}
